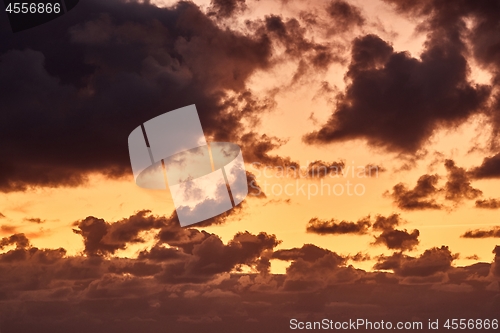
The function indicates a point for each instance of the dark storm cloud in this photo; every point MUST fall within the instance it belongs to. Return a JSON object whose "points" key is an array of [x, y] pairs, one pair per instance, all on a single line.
{"points": [[291, 35], [488, 203], [490, 168], [103, 238], [258, 148], [253, 188], [310, 55], [313, 275], [383, 223], [423, 196], [445, 18], [396, 101], [344, 15], [446, 21], [481, 233], [211, 257], [227, 8], [308, 252], [398, 239], [89, 78], [420, 197], [188, 254], [24, 251], [182, 238], [458, 185], [394, 238], [333, 226], [432, 261], [33, 255]]}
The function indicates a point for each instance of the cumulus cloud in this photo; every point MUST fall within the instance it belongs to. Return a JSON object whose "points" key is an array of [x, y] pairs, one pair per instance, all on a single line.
{"points": [[19, 240], [446, 27], [420, 197], [104, 238], [394, 238], [211, 257], [426, 192], [395, 101], [432, 261], [398, 239], [308, 252], [188, 254], [182, 290], [383, 223], [312, 275], [458, 186]]}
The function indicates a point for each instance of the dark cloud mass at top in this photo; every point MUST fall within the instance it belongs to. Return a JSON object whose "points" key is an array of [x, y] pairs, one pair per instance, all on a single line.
{"points": [[90, 78]]}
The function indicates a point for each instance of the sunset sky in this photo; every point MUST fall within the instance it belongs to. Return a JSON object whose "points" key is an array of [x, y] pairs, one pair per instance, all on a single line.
{"points": [[398, 100]]}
